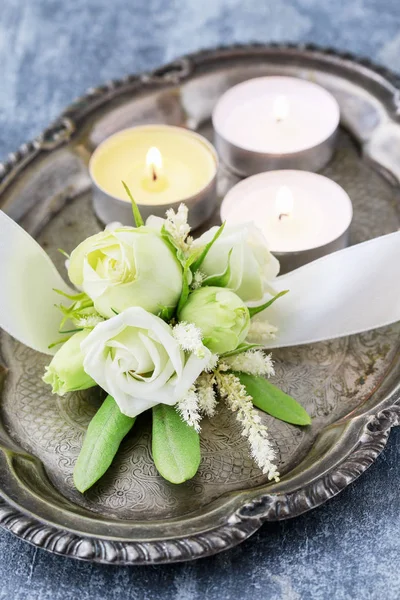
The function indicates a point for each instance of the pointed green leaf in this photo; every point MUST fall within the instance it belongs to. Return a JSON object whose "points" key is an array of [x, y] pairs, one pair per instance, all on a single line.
{"points": [[253, 310], [175, 445], [105, 433], [199, 261], [186, 281], [221, 280], [169, 240], [135, 210], [273, 401], [241, 348]]}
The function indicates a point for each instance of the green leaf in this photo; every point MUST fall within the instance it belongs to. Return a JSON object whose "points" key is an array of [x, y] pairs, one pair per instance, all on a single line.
{"points": [[199, 261], [241, 348], [169, 239], [175, 445], [105, 433], [253, 310], [273, 401], [186, 281], [166, 313], [135, 210], [221, 280]]}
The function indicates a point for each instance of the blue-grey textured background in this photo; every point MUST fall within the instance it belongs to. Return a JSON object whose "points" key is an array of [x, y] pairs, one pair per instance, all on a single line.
{"points": [[50, 52]]}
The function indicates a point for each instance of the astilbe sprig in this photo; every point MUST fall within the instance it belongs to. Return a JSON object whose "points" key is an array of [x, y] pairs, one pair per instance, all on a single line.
{"points": [[239, 402], [188, 408], [205, 386], [253, 362], [177, 226], [189, 338], [261, 331]]}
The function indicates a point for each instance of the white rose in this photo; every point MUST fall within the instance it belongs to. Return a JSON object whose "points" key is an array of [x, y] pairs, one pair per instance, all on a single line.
{"points": [[252, 264], [126, 267], [135, 358]]}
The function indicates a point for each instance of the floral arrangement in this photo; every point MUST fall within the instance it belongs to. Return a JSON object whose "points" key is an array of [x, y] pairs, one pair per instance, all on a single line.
{"points": [[162, 322]]}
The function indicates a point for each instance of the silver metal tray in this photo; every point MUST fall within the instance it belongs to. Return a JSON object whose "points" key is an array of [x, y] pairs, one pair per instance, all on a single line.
{"points": [[350, 386]]}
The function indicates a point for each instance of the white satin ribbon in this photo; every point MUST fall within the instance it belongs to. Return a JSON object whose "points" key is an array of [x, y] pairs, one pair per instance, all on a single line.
{"points": [[346, 292], [27, 279]]}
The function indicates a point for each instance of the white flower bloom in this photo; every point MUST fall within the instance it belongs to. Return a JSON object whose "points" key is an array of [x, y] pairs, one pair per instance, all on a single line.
{"points": [[206, 394], [238, 401], [253, 362], [252, 265], [188, 408], [127, 267], [135, 358]]}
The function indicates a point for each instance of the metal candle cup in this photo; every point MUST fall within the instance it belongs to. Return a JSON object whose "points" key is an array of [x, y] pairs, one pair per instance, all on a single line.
{"points": [[162, 165], [272, 123], [302, 215]]}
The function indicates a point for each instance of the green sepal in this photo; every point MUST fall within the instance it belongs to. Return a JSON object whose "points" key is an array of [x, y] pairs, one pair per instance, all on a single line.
{"points": [[175, 445], [200, 259], [105, 433], [75, 297], [135, 209], [221, 280], [273, 401], [186, 281], [253, 310], [169, 239], [61, 251], [166, 313], [241, 348]]}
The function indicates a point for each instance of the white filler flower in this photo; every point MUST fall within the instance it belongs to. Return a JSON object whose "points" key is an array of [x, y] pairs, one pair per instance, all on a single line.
{"points": [[136, 359]]}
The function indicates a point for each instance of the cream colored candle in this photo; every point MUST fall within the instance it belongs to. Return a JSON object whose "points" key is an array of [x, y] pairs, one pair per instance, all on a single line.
{"points": [[161, 164], [302, 215]]}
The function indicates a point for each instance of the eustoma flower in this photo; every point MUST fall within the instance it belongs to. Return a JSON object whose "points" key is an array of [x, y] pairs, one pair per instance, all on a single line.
{"points": [[221, 316], [135, 357], [65, 373], [244, 248], [127, 267]]}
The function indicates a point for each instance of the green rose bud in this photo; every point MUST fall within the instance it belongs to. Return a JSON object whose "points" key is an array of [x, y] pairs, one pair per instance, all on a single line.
{"points": [[65, 373], [220, 314], [127, 267]]}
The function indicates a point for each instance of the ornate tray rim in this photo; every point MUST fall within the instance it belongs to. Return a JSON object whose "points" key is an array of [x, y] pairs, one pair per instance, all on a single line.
{"points": [[371, 428]]}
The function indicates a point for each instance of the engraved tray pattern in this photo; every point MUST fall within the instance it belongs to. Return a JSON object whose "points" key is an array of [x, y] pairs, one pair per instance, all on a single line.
{"points": [[350, 385]]}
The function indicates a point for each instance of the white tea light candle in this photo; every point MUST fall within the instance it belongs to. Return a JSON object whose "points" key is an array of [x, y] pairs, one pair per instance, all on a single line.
{"points": [[162, 166], [302, 215], [275, 122]]}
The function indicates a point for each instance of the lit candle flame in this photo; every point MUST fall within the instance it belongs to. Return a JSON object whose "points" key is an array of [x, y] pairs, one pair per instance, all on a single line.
{"points": [[154, 163], [281, 107], [284, 202]]}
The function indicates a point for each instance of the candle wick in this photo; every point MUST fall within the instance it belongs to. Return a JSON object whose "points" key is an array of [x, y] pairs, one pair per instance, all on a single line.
{"points": [[153, 173], [283, 215]]}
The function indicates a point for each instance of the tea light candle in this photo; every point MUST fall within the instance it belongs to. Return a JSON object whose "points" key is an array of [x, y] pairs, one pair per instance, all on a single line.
{"points": [[162, 165], [273, 123], [302, 215]]}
